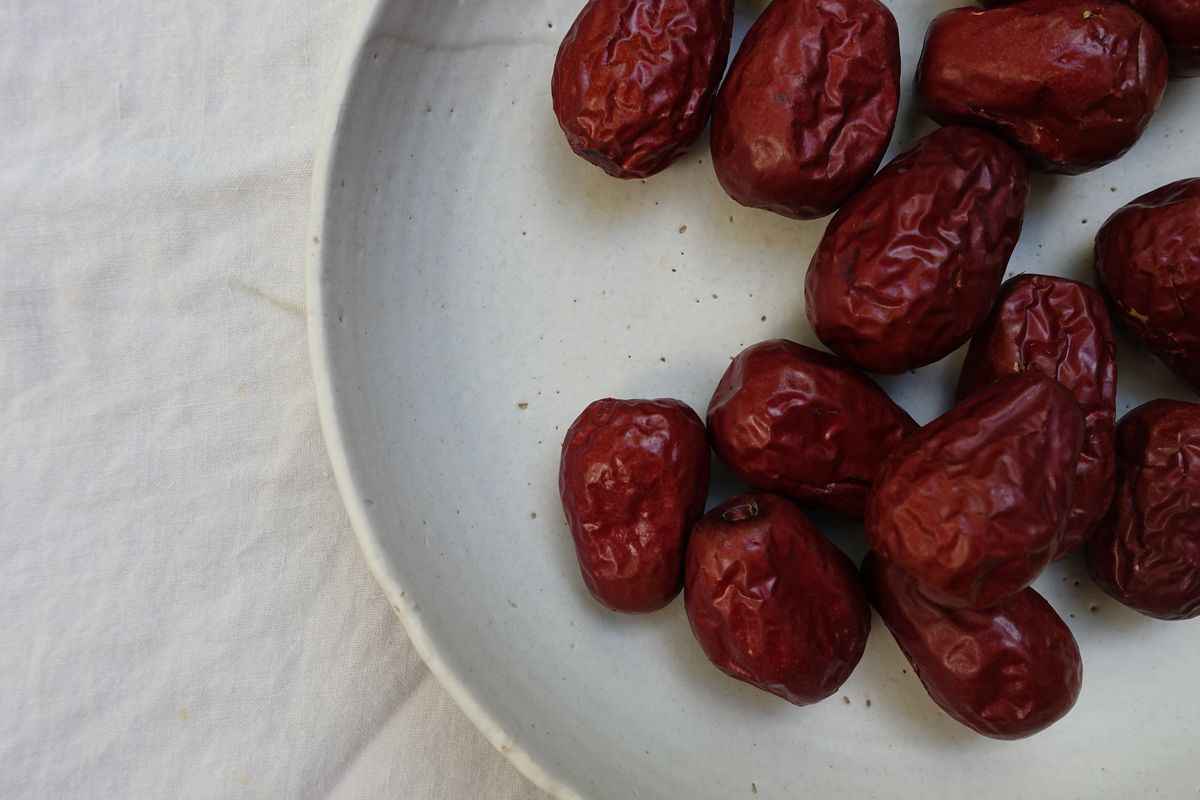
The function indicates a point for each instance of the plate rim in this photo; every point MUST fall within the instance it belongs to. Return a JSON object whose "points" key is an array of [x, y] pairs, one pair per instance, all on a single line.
{"points": [[318, 315]]}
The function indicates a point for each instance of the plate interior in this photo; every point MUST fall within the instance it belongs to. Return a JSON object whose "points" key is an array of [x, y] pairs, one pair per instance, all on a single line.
{"points": [[475, 285]]}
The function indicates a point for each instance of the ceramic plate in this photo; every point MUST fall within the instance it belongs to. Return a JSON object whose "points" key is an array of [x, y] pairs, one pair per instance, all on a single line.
{"points": [[473, 285]]}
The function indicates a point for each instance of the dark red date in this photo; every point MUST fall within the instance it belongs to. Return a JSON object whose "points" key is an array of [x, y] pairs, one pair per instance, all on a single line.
{"points": [[791, 419], [772, 602], [1179, 23], [1006, 672], [634, 80], [633, 479], [1058, 328], [807, 109], [1146, 553], [1148, 266], [908, 269], [973, 505], [1072, 82]]}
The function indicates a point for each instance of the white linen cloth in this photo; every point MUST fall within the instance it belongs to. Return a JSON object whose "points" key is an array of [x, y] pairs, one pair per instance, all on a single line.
{"points": [[184, 612]]}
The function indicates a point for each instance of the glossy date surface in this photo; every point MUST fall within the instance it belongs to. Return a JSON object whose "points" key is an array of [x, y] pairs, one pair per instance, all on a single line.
{"points": [[807, 110], [973, 505], [1072, 82], [634, 81], [1057, 328], [1007, 671], [633, 479], [908, 269], [1147, 261], [1146, 553], [791, 419], [1179, 23], [772, 602]]}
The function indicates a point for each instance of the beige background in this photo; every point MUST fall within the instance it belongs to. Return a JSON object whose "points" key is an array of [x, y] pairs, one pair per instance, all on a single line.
{"points": [[183, 609]]}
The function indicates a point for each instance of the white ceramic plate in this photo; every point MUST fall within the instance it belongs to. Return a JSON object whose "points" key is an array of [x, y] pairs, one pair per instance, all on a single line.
{"points": [[473, 285]]}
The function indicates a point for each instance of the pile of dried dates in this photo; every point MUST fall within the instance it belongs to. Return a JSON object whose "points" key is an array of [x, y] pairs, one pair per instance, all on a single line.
{"points": [[963, 514]]}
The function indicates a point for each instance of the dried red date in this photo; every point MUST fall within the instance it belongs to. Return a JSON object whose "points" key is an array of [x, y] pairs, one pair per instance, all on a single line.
{"points": [[973, 505], [635, 80], [807, 109], [1148, 266], [772, 602], [1146, 553], [910, 266], [1179, 23], [791, 419], [1006, 672], [633, 479], [1057, 328], [1072, 82]]}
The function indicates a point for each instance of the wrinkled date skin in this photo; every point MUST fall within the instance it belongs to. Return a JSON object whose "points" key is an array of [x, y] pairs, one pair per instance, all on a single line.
{"points": [[1146, 553], [1072, 82], [1148, 267], [808, 107], [910, 266], [633, 480], [1178, 21], [973, 505], [1058, 328], [791, 419], [1006, 672], [635, 80], [772, 602]]}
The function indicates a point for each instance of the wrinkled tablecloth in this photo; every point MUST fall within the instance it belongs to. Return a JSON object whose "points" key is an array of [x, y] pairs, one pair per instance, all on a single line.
{"points": [[183, 608]]}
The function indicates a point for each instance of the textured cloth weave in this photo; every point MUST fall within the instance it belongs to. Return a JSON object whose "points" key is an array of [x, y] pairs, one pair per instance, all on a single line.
{"points": [[184, 610]]}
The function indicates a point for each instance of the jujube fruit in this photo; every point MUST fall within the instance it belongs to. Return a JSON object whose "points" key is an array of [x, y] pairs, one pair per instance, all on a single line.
{"points": [[973, 505], [791, 419], [772, 602], [1007, 671], [634, 80], [807, 110], [633, 479], [1057, 328], [1146, 553], [909, 267]]}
